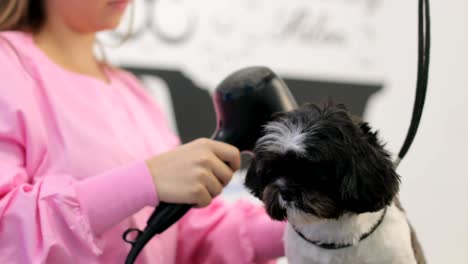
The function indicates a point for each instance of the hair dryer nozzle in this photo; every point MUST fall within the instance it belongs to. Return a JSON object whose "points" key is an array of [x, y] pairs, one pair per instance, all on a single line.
{"points": [[245, 101]]}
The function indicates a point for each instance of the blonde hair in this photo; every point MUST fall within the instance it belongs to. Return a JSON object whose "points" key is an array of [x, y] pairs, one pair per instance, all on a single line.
{"points": [[27, 15]]}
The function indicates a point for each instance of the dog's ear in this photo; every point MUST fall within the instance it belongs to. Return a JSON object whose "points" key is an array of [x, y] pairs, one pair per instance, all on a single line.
{"points": [[252, 179], [370, 182]]}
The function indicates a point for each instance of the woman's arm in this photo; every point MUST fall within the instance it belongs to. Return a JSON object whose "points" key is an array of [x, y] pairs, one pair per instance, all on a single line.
{"points": [[49, 216]]}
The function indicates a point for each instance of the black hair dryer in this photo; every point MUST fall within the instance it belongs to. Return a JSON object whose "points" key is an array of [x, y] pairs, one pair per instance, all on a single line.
{"points": [[244, 102]]}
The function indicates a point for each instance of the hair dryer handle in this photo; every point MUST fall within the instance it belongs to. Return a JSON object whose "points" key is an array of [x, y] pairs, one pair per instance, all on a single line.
{"points": [[162, 218], [166, 214]]}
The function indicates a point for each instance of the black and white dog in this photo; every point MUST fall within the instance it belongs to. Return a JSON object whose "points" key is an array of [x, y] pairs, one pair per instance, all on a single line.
{"points": [[329, 176]]}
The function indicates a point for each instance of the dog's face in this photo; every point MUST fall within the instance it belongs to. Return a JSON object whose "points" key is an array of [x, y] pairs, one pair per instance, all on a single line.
{"points": [[317, 162]]}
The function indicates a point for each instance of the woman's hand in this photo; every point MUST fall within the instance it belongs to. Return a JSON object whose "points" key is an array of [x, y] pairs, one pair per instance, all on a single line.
{"points": [[194, 173]]}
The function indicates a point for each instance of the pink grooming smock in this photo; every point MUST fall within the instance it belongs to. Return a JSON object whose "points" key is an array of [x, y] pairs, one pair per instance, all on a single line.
{"points": [[73, 176]]}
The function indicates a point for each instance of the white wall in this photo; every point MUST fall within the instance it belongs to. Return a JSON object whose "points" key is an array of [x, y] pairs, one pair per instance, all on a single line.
{"points": [[434, 174]]}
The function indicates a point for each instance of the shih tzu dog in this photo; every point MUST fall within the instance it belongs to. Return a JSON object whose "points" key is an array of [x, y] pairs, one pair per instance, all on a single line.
{"points": [[329, 176]]}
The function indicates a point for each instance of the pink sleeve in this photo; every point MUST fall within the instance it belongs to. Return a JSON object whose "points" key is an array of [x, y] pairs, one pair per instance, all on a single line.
{"points": [[41, 217], [229, 233]]}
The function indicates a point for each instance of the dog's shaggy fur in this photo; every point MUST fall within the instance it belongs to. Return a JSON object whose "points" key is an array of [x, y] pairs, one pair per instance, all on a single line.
{"points": [[329, 176]]}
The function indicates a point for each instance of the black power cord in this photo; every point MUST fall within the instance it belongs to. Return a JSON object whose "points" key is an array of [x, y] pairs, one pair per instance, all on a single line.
{"points": [[424, 46]]}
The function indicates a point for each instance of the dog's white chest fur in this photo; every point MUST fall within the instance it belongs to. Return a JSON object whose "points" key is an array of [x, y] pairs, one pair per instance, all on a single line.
{"points": [[390, 243]]}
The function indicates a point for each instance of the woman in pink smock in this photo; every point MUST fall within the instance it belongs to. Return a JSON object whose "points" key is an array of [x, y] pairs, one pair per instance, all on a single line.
{"points": [[85, 154]]}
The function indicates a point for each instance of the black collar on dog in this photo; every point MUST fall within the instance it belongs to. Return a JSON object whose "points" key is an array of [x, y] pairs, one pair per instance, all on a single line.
{"points": [[340, 246]]}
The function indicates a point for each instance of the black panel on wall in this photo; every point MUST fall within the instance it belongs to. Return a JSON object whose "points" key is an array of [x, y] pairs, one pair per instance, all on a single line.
{"points": [[194, 110], [354, 96]]}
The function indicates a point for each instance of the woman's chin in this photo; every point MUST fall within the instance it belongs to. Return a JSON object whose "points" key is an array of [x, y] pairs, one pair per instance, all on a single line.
{"points": [[108, 25]]}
